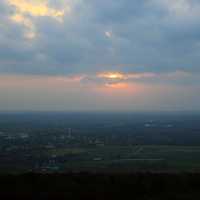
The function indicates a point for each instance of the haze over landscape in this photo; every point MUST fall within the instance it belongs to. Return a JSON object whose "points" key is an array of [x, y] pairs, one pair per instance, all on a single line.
{"points": [[99, 99], [99, 55]]}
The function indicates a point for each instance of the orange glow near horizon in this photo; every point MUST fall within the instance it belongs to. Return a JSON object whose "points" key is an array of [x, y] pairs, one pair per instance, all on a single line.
{"points": [[119, 94], [117, 85], [110, 87]]}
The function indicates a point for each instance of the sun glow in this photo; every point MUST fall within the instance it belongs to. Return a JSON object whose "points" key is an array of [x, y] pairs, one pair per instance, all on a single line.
{"points": [[36, 8], [112, 75], [26, 9]]}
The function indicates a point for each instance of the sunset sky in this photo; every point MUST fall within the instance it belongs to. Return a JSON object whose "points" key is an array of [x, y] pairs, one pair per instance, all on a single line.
{"points": [[107, 55]]}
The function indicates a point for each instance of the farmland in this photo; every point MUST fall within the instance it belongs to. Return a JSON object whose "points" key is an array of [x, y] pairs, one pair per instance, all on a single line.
{"points": [[134, 157], [123, 142]]}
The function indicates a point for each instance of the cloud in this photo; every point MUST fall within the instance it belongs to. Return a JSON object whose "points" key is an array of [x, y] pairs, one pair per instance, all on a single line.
{"points": [[37, 8], [181, 9], [47, 37], [25, 10]]}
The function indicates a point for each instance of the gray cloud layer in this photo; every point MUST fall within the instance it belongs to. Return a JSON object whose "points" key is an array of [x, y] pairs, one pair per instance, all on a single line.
{"points": [[126, 35]]}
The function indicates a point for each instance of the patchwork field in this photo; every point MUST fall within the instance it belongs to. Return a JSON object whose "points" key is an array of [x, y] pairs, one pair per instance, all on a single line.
{"points": [[128, 158]]}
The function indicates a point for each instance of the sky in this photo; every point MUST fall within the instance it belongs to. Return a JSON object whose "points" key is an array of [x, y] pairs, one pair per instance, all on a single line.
{"points": [[108, 55]]}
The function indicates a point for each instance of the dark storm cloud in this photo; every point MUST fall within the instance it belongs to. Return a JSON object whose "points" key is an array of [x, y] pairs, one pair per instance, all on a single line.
{"points": [[125, 35]]}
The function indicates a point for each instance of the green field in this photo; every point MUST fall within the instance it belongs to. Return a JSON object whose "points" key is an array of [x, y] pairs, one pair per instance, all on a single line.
{"points": [[138, 157], [66, 151]]}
